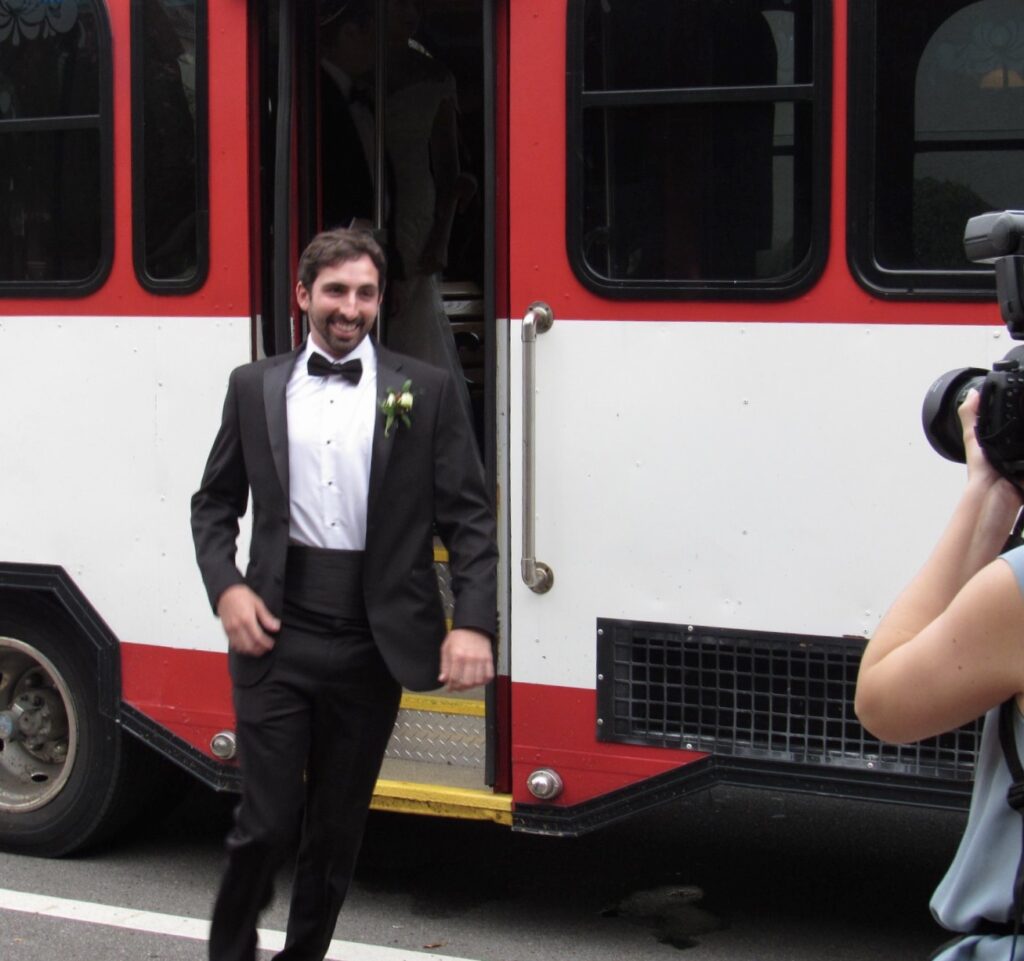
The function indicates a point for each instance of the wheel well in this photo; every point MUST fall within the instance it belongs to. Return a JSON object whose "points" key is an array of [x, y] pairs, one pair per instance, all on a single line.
{"points": [[43, 593], [46, 594]]}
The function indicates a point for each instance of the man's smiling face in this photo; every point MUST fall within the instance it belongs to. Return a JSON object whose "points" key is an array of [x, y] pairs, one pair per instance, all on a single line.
{"points": [[342, 306]]}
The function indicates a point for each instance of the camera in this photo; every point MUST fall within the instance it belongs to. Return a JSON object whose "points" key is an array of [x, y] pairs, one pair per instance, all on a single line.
{"points": [[996, 238]]}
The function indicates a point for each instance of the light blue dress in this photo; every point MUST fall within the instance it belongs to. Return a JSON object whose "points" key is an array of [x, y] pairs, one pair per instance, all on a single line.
{"points": [[979, 882]]}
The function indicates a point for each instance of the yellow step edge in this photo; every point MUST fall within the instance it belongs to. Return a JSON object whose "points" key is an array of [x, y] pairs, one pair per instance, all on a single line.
{"points": [[435, 704], [407, 797], [440, 554]]}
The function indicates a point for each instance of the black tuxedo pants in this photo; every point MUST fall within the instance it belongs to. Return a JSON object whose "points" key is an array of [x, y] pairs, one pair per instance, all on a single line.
{"points": [[311, 737]]}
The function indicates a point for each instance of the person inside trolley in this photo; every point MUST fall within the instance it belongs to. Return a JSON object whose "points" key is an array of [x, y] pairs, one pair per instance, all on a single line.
{"points": [[950, 649]]}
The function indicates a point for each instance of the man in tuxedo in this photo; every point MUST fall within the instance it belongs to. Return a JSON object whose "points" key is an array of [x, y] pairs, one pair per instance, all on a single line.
{"points": [[339, 606]]}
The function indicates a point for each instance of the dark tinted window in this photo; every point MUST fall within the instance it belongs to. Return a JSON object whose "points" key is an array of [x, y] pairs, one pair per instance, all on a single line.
{"points": [[169, 143], [55, 151], [698, 138], [937, 105], [686, 43]]}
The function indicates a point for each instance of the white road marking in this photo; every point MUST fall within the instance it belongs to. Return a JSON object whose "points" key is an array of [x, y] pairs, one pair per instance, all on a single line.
{"points": [[194, 928]]}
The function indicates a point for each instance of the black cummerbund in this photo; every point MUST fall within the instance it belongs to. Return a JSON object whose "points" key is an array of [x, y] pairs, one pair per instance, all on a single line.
{"points": [[326, 582]]}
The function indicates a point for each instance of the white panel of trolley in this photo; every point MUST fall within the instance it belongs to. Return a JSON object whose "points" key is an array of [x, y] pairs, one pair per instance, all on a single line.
{"points": [[763, 477], [106, 426]]}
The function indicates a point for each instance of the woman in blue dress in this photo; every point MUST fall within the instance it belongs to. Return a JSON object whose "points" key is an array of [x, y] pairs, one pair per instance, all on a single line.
{"points": [[949, 650]]}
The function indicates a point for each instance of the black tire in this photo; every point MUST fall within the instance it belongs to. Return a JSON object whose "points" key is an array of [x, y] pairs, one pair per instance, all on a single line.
{"points": [[69, 777]]}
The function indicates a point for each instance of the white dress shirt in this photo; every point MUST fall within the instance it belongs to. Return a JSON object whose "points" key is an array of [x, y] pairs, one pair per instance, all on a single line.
{"points": [[330, 438]]}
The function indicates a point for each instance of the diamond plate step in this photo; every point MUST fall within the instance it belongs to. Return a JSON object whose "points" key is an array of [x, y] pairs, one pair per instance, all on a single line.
{"points": [[440, 731]]}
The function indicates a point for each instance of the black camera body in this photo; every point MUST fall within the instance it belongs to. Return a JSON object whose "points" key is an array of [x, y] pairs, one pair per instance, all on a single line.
{"points": [[991, 238]]}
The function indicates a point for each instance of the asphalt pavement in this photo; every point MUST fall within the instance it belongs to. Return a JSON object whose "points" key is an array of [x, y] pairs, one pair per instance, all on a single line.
{"points": [[728, 875]]}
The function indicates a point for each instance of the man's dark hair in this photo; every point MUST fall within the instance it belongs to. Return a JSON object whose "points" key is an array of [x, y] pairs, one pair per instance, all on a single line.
{"points": [[338, 246]]}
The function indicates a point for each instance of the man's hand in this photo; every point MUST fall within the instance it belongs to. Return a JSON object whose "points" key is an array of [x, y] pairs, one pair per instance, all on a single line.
{"points": [[466, 660], [246, 619]]}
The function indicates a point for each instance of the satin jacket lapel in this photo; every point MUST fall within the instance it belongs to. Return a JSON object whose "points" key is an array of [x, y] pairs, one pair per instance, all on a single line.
{"points": [[389, 377], [275, 385]]}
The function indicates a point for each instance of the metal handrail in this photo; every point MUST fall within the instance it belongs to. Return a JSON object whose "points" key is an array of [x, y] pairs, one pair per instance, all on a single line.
{"points": [[536, 575]]}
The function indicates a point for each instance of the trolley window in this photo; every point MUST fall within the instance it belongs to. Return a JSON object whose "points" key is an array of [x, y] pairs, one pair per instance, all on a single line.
{"points": [[169, 144], [698, 146], [56, 181], [936, 136]]}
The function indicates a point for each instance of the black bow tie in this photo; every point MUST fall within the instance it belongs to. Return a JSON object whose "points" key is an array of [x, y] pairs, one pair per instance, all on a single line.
{"points": [[320, 366]]}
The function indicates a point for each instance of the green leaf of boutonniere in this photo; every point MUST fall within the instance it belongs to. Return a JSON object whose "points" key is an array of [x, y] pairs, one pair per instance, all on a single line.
{"points": [[396, 405]]}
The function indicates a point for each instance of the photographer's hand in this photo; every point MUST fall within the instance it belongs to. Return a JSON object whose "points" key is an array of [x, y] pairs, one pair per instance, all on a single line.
{"points": [[999, 500], [952, 644]]}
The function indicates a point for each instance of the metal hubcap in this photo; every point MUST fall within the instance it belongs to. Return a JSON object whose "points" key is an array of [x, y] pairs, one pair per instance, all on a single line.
{"points": [[38, 728]]}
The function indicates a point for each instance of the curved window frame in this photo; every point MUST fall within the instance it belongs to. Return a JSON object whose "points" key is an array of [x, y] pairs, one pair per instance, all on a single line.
{"points": [[103, 123], [862, 188], [175, 285], [818, 93]]}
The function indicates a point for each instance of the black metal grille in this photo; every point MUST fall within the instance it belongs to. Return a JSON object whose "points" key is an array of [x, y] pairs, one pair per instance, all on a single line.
{"points": [[753, 694]]}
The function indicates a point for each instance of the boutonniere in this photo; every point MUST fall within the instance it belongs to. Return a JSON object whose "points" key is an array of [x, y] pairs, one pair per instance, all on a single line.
{"points": [[397, 406]]}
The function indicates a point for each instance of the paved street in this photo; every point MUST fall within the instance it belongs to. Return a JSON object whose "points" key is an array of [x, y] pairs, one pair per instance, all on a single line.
{"points": [[783, 877]]}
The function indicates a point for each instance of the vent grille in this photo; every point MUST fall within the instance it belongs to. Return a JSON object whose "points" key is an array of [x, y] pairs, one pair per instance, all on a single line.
{"points": [[778, 696]]}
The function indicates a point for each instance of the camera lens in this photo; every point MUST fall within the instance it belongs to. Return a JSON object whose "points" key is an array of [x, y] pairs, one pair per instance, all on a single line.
{"points": [[939, 412]]}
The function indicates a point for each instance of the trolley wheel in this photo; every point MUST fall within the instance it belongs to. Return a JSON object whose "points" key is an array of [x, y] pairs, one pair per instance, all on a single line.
{"points": [[64, 766]]}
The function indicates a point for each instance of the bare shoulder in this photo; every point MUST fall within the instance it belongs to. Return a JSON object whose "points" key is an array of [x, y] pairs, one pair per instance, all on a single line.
{"points": [[966, 661], [990, 607]]}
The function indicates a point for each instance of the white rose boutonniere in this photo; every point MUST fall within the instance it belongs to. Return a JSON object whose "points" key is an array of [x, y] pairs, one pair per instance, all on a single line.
{"points": [[397, 406]]}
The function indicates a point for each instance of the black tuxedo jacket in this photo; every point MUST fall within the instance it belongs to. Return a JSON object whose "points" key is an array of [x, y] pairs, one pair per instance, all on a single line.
{"points": [[425, 474]]}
